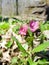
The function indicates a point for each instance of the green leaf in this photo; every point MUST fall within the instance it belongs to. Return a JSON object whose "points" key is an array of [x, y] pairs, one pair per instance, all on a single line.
{"points": [[31, 62], [44, 26], [4, 26], [19, 45], [41, 47], [9, 44], [42, 62]]}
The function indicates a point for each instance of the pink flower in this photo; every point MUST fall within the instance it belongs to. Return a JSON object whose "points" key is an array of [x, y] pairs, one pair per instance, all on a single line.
{"points": [[34, 25], [23, 29]]}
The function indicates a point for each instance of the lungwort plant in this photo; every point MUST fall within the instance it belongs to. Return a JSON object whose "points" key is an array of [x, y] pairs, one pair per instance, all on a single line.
{"points": [[24, 42]]}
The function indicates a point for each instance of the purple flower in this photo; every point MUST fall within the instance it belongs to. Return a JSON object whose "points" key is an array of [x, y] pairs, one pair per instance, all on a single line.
{"points": [[34, 25], [23, 29]]}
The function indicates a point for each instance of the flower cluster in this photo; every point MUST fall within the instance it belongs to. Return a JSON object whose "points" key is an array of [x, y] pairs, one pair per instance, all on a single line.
{"points": [[33, 26]]}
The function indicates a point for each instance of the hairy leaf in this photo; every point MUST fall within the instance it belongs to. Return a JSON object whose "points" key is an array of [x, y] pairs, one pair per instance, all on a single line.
{"points": [[41, 47], [19, 45]]}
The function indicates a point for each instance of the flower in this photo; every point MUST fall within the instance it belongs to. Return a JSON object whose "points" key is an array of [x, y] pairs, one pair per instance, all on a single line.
{"points": [[34, 25], [23, 29]]}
